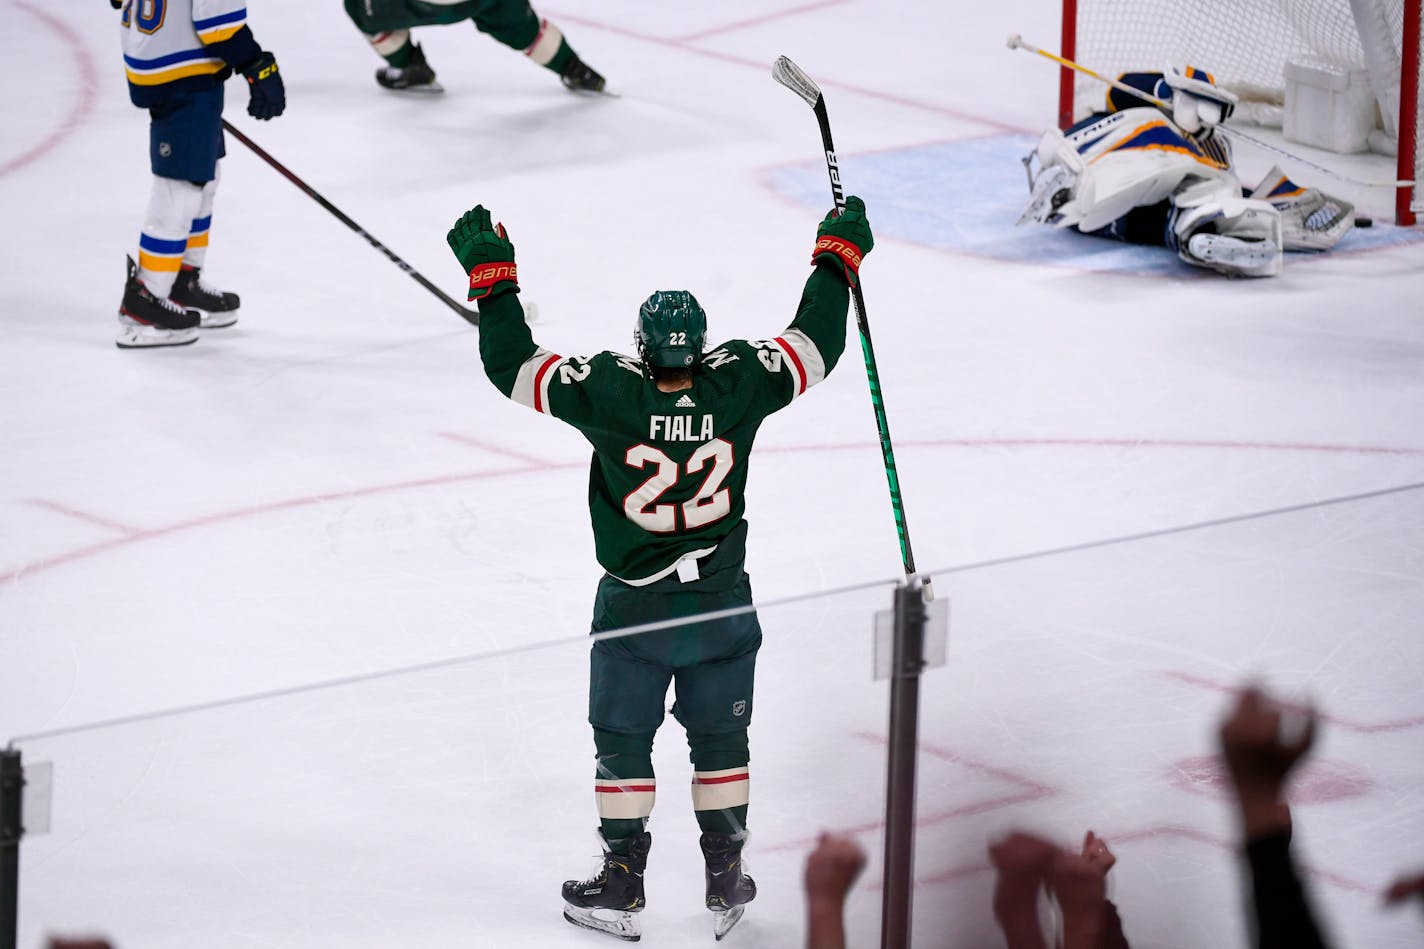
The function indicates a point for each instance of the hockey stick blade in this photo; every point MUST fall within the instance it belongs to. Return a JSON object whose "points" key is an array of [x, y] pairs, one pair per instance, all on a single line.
{"points": [[792, 77]]}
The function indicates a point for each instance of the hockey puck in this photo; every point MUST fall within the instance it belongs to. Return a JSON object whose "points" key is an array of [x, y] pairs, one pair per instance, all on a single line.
{"points": [[1364, 222]]}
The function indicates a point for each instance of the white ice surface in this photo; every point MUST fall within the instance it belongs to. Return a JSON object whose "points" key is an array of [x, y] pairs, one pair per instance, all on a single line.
{"points": [[332, 489]]}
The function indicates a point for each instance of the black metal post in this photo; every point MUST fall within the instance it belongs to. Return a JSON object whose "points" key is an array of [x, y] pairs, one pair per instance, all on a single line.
{"points": [[908, 662], [12, 828]]}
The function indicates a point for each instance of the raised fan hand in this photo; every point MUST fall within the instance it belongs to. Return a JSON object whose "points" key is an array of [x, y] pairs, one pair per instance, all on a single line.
{"points": [[844, 239], [486, 252]]}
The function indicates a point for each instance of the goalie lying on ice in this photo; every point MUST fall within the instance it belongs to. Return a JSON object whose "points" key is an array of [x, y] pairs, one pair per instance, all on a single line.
{"points": [[1162, 176]]}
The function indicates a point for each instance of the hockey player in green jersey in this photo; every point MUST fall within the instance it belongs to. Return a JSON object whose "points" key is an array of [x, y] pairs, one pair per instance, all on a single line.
{"points": [[672, 431], [387, 25]]}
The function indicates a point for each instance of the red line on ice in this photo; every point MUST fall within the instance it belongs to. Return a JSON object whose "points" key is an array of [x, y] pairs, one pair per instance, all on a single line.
{"points": [[221, 517], [497, 449], [1365, 728], [531, 465], [766, 67], [88, 91], [1032, 791], [84, 516], [760, 20]]}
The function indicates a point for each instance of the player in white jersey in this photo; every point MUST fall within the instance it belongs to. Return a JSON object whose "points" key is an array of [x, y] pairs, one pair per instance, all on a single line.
{"points": [[177, 54], [1163, 176]]}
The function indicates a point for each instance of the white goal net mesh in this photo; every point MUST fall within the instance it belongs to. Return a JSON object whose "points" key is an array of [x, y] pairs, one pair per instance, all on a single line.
{"points": [[1246, 44]]}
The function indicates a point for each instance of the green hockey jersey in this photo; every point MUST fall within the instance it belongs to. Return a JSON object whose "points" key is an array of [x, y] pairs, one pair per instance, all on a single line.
{"points": [[669, 469]]}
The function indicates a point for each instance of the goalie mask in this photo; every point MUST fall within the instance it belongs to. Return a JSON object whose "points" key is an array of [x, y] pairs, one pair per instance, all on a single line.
{"points": [[671, 331]]}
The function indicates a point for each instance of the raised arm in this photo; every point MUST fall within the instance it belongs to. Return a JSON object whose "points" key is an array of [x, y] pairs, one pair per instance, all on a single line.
{"points": [[487, 255], [814, 341]]}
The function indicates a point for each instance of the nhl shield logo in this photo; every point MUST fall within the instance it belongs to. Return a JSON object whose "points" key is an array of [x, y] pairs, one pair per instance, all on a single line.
{"points": [[739, 707], [165, 150]]}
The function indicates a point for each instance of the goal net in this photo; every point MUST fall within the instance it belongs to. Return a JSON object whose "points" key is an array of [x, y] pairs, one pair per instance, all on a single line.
{"points": [[1246, 45]]}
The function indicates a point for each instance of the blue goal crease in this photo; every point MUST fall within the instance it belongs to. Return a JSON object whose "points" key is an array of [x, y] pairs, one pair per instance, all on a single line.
{"points": [[964, 196]]}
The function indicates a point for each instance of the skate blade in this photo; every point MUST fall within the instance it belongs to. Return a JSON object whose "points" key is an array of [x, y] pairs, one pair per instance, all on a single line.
{"points": [[617, 923], [216, 321], [138, 336], [428, 89], [604, 93], [723, 922]]}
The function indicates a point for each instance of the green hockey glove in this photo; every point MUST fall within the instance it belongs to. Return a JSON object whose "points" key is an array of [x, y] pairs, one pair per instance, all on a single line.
{"points": [[844, 239], [486, 253]]}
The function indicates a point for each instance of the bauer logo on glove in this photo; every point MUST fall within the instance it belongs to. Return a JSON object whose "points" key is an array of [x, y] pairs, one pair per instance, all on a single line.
{"points": [[484, 249], [484, 277], [848, 252], [843, 239]]}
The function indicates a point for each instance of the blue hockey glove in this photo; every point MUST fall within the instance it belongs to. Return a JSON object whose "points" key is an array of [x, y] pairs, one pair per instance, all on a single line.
{"points": [[267, 97]]}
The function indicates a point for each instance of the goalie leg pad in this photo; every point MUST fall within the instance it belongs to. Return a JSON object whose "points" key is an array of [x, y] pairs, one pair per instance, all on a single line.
{"points": [[1053, 168], [1239, 237]]}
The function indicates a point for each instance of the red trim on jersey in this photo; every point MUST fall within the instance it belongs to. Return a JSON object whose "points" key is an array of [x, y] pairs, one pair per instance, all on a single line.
{"points": [[543, 28], [625, 789], [796, 362], [539, 382], [725, 779]]}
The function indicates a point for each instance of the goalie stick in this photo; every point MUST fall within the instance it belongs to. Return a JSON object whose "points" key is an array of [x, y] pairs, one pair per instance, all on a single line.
{"points": [[469, 316], [792, 77], [1016, 41]]}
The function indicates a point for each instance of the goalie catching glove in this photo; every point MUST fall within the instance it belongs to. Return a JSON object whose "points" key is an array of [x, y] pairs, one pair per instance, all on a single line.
{"points": [[843, 239], [1310, 218], [486, 253]]}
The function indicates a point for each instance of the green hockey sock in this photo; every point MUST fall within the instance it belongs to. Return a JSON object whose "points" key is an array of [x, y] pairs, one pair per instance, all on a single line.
{"points": [[401, 57], [623, 785], [561, 58]]}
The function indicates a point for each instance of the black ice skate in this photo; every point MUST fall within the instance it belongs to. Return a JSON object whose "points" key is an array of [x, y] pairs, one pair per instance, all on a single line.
{"points": [[216, 308], [578, 77], [146, 319], [414, 76], [607, 901], [729, 889]]}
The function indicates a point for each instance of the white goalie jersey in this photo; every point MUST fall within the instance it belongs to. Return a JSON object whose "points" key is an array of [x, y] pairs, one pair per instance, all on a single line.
{"points": [[1105, 168]]}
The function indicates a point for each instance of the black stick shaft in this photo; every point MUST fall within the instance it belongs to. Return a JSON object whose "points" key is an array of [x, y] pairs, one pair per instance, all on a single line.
{"points": [[12, 828], [872, 373], [469, 316]]}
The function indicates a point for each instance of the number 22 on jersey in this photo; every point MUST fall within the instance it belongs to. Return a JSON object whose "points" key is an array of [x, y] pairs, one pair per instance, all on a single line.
{"points": [[712, 502]]}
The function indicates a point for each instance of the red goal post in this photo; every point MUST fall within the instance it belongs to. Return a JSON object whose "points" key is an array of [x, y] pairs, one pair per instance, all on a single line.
{"points": [[1245, 44]]}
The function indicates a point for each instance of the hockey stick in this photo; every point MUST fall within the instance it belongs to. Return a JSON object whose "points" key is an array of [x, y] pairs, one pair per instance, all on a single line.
{"points": [[469, 316], [1017, 42], [791, 76]]}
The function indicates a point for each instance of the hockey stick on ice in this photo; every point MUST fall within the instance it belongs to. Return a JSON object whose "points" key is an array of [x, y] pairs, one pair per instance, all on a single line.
{"points": [[1017, 42], [469, 316], [790, 75]]}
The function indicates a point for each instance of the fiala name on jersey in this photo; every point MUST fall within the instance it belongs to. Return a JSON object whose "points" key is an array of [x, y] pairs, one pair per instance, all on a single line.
{"points": [[680, 428]]}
